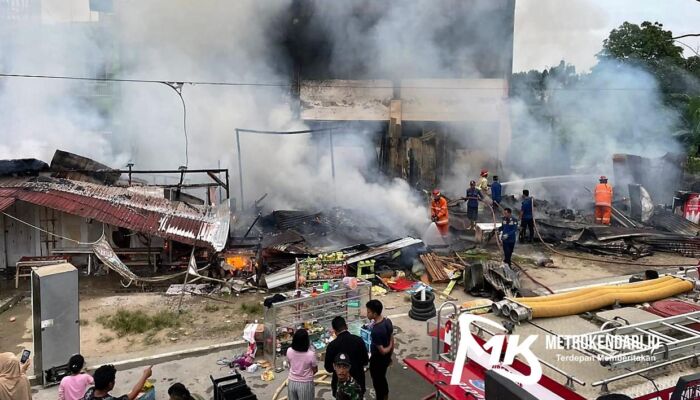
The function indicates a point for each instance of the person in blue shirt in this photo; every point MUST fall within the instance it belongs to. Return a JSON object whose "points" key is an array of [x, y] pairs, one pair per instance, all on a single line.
{"points": [[526, 215], [496, 192], [473, 196], [509, 230]]}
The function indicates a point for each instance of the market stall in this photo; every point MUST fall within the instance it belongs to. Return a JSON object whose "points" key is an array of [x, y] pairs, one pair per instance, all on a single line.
{"points": [[313, 309], [318, 270]]}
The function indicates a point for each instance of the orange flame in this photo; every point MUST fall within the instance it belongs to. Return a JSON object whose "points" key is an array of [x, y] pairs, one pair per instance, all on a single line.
{"points": [[237, 262]]}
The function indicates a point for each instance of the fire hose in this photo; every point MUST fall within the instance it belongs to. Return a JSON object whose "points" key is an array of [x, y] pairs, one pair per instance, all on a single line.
{"points": [[596, 259], [588, 299], [500, 246]]}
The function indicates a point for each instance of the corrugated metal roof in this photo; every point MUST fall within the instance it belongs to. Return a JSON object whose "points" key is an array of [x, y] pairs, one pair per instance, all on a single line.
{"points": [[120, 207], [674, 223], [383, 249], [6, 201], [282, 277]]}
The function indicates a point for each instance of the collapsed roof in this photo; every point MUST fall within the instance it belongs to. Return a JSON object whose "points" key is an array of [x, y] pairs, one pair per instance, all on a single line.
{"points": [[123, 207], [22, 167]]}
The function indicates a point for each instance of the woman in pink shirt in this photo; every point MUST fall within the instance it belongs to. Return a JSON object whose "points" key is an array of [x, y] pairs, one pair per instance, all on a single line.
{"points": [[302, 368], [73, 387]]}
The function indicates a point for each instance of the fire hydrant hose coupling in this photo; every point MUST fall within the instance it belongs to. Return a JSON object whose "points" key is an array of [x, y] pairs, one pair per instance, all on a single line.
{"points": [[519, 314], [497, 307]]}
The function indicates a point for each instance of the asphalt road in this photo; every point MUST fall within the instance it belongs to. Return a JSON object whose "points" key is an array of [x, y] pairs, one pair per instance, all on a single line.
{"points": [[194, 372]]}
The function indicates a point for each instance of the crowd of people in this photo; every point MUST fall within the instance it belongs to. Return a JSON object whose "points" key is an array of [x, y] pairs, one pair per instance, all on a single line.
{"points": [[510, 228], [79, 385], [346, 358]]}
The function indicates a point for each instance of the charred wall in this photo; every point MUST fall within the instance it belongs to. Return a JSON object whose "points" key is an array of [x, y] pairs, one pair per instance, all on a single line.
{"points": [[463, 47]]}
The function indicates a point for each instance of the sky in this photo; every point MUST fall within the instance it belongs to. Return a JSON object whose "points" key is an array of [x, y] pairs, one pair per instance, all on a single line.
{"points": [[547, 31]]}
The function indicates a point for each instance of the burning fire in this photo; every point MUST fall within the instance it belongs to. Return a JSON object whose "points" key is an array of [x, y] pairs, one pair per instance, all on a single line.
{"points": [[237, 263]]}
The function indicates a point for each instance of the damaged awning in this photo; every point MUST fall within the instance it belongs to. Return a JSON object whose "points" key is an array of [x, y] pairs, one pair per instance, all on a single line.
{"points": [[117, 206], [383, 249]]}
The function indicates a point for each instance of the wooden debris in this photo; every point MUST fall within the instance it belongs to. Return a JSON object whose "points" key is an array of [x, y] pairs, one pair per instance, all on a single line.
{"points": [[435, 268]]}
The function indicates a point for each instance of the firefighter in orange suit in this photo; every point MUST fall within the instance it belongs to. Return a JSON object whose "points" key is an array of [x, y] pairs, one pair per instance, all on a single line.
{"points": [[439, 213], [603, 195]]}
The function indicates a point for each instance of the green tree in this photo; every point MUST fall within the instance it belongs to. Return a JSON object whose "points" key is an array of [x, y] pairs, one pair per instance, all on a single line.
{"points": [[532, 86], [690, 133], [651, 47], [645, 44]]}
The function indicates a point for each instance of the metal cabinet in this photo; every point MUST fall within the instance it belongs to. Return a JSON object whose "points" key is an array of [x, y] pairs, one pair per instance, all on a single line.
{"points": [[56, 316]]}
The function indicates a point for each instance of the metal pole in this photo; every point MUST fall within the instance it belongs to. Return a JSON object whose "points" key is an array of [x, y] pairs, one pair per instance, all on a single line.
{"points": [[228, 189], [240, 166], [252, 225], [219, 190]]}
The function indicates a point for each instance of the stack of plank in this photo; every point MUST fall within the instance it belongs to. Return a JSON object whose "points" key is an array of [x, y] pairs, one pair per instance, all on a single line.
{"points": [[440, 267]]}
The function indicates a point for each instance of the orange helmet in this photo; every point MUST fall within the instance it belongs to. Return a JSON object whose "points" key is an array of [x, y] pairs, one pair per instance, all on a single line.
{"points": [[436, 192], [484, 172]]}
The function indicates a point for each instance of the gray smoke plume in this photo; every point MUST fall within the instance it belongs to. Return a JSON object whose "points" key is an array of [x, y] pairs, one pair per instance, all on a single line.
{"points": [[222, 41], [183, 41], [38, 116], [615, 109]]}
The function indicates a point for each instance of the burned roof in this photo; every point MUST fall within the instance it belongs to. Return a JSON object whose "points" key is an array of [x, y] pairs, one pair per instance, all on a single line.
{"points": [[73, 166], [205, 226], [22, 167]]}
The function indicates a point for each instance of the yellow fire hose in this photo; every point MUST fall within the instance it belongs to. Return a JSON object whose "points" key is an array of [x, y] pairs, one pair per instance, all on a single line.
{"points": [[589, 299], [636, 286]]}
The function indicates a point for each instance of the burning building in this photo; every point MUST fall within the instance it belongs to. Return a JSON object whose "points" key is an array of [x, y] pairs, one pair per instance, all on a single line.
{"points": [[428, 81]]}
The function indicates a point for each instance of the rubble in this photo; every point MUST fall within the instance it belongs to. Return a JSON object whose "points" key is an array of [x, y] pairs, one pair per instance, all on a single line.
{"points": [[440, 268], [634, 242]]}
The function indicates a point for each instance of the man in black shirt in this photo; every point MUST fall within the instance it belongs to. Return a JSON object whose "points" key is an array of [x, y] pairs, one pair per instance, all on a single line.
{"points": [[382, 348], [346, 343]]}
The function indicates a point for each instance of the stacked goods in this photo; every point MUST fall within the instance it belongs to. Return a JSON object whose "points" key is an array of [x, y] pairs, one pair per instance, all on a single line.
{"points": [[318, 336], [322, 268]]}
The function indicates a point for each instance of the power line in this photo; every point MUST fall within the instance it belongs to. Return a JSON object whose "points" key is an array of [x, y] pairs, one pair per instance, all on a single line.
{"points": [[125, 80], [691, 49], [51, 233], [308, 84], [686, 35]]}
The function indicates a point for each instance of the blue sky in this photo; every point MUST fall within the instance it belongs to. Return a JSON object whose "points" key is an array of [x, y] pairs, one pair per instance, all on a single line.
{"points": [[547, 31]]}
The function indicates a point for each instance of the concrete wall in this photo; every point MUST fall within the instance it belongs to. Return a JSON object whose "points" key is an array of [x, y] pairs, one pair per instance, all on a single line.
{"points": [[469, 100]]}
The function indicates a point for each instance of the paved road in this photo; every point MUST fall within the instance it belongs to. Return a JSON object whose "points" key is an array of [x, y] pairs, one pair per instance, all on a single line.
{"points": [[194, 372]]}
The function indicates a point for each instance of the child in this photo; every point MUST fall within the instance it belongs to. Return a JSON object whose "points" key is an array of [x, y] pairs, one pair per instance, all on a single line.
{"points": [[73, 387]]}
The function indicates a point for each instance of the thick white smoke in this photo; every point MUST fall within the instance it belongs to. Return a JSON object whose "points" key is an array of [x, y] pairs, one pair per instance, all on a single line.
{"points": [[221, 41], [38, 116], [173, 41], [617, 109]]}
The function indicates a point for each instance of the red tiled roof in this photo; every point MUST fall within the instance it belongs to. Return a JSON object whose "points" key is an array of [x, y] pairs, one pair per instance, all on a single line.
{"points": [[122, 207]]}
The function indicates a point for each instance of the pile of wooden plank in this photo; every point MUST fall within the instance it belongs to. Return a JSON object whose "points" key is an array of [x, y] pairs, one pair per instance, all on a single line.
{"points": [[440, 268]]}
